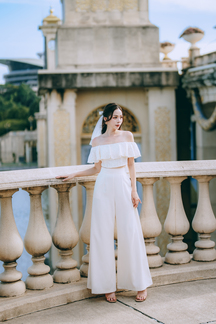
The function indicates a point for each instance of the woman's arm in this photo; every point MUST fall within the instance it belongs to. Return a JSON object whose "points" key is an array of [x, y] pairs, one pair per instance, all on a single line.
{"points": [[96, 169], [134, 195]]}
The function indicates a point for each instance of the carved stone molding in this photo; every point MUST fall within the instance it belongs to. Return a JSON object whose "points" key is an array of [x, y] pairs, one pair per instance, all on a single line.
{"points": [[130, 4], [106, 5], [83, 5], [116, 5], [98, 5]]}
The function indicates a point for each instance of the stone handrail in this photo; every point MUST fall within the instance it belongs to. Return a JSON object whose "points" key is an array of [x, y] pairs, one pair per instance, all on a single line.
{"points": [[205, 59], [46, 176], [65, 235]]}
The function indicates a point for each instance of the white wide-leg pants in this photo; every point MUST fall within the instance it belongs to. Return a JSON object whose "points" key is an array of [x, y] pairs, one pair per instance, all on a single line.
{"points": [[112, 198]]}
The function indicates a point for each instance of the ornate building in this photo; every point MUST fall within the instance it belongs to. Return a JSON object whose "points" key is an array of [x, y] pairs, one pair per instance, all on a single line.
{"points": [[103, 51]]}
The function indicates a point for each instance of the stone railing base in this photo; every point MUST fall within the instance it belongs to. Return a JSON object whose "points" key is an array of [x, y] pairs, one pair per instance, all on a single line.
{"points": [[61, 294]]}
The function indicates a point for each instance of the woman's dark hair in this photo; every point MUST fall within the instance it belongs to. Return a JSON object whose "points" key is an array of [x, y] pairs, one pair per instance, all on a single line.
{"points": [[108, 113]]}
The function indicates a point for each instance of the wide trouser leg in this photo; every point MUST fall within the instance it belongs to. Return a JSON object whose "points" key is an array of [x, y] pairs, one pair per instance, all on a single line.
{"points": [[102, 271], [112, 197], [132, 268]]}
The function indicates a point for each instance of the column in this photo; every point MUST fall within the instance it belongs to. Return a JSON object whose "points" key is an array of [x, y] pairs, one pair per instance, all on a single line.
{"points": [[150, 223], [54, 102], [162, 143], [65, 237], [49, 29], [204, 223], [176, 225], [41, 135], [69, 105], [11, 248], [37, 242], [61, 124], [86, 225]]}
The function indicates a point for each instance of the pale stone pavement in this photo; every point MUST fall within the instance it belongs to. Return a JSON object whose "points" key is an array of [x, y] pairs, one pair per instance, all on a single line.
{"points": [[185, 303]]}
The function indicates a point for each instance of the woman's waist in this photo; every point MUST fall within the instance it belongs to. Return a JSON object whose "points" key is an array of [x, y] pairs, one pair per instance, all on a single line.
{"points": [[114, 163], [112, 170]]}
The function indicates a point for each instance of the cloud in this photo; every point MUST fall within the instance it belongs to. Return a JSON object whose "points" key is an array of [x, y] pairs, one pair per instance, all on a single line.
{"points": [[193, 5]]}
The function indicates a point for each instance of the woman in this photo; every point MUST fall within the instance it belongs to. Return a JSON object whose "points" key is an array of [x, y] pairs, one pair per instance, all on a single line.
{"points": [[115, 196]]}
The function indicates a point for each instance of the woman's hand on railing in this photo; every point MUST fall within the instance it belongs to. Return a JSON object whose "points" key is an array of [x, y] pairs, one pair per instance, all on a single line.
{"points": [[85, 173], [66, 177]]}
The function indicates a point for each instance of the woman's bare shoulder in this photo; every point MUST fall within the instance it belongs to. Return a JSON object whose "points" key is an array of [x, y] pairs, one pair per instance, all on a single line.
{"points": [[97, 141], [128, 136]]}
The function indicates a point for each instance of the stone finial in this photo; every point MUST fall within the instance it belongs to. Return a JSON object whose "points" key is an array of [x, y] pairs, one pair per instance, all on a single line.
{"points": [[165, 48], [192, 35], [51, 19]]}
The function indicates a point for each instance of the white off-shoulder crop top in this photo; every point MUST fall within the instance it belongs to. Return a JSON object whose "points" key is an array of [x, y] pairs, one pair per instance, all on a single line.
{"points": [[113, 155]]}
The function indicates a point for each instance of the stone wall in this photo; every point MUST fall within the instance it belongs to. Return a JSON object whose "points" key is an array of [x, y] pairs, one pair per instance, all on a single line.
{"points": [[107, 47]]}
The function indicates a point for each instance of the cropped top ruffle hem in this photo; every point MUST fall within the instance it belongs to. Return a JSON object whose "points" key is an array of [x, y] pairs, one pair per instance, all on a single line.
{"points": [[113, 155]]}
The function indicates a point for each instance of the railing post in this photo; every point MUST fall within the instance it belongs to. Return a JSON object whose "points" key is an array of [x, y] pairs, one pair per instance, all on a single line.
{"points": [[150, 223], [86, 225], [176, 224], [37, 242], [11, 248], [65, 237], [204, 223]]}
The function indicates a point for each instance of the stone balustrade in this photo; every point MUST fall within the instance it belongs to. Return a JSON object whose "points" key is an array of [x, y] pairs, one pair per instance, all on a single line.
{"points": [[208, 58], [65, 236]]}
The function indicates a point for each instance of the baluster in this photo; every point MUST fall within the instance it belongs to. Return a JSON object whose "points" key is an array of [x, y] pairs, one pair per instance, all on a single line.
{"points": [[86, 225], [150, 223], [11, 248], [65, 237], [37, 242], [176, 224], [204, 223]]}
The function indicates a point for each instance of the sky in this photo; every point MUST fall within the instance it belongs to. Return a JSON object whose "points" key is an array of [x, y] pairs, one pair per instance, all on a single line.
{"points": [[20, 37]]}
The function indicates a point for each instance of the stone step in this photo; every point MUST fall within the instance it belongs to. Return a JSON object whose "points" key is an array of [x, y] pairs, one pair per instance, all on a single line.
{"points": [[62, 294]]}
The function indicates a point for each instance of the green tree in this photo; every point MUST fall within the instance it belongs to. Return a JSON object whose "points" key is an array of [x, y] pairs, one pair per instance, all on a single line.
{"points": [[17, 104]]}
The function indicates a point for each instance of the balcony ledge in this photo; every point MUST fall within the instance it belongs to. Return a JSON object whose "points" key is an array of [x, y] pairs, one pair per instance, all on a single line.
{"points": [[46, 176]]}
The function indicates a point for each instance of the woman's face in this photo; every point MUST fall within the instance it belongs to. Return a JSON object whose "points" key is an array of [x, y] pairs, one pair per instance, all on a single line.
{"points": [[116, 120]]}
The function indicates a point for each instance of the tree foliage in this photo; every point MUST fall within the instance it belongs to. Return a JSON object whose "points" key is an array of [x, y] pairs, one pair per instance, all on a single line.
{"points": [[17, 104]]}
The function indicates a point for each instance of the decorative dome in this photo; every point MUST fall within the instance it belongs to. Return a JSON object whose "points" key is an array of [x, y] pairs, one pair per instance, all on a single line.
{"points": [[51, 19]]}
